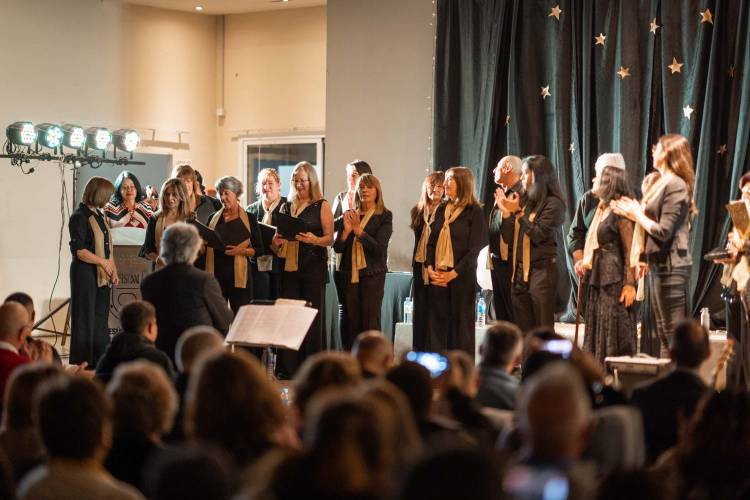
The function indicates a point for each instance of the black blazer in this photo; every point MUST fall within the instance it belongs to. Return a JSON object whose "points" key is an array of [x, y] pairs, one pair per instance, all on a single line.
{"points": [[184, 296], [468, 237], [669, 242], [256, 211], [500, 226], [542, 231], [375, 238]]}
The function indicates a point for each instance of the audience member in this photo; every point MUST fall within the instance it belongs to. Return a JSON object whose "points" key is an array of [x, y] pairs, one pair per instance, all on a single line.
{"points": [[26, 301], [500, 354], [324, 371], [183, 295], [74, 418], [667, 402], [136, 341], [374, 353], [144, 403], [19, 438], [635, 484]]}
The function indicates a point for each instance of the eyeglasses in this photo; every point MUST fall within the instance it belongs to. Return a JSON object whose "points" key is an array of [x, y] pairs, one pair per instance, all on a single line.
{"points": [[300, 181]]}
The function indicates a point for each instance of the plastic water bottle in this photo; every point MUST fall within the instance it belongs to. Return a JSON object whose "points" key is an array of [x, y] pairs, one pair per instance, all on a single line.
{"points": [[408, 309], [706, 318], [481, 312]]}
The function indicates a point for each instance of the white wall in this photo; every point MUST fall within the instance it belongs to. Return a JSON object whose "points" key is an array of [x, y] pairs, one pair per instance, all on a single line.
{"points": [[378, 102]]}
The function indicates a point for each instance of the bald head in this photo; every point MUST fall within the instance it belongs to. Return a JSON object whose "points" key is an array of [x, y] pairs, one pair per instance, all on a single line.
{"points": [[508, 171], [15, 323], [373, 351]]}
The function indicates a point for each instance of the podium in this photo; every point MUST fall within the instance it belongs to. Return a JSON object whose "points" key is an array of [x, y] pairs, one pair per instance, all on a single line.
{"points": [[131, 269]]}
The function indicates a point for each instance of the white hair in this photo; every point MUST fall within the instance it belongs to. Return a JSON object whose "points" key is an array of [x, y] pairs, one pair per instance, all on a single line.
{"points": [[609, 160], [180, 244], [231, 183]]}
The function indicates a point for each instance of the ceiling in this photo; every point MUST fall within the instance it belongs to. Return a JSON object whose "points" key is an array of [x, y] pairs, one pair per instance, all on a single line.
{"points": [[218, 7]]}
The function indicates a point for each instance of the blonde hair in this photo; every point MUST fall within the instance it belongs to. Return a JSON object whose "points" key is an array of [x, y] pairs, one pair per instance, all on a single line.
{"points": [[181, 171], [315, 192], [369, 180], [464, 178], [677, 156], [97, 192], [266, 172], [183, 208]]}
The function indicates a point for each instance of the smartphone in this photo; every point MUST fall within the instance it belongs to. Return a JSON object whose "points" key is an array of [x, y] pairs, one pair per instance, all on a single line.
{"points": [[434, 362], [563, 347]]}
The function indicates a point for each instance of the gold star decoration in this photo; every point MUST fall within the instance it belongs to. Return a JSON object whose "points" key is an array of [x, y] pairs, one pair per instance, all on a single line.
{"points": [[599, 40], [731, 71], [687, 111], [707, 17], [722, 150], [623, 72], [555, 12], [507, 120], [572, 148], [545, 92], [675, 67], [653, 26]]}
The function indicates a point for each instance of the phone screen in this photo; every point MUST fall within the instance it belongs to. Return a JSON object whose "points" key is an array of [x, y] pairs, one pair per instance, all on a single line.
{"points": [[434, 362], [563, 347]]}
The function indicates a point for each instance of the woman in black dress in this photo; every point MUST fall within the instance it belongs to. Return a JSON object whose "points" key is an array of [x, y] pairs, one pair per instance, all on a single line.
{"points": [[363, 244], [422, 218], [459, 233], [662, 234], [173, 207], [537, 224], [305, 258], [267, 268], [92, 272], [609, 318], [241, 235], [201, 206]]}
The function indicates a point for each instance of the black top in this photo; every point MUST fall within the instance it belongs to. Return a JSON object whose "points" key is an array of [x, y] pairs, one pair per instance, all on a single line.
{"points": [[542, 232], [81, 234], [234, 232], [126, 347], [611, 262], [257, 211], [585, 211], [668, 242], [375, 237], [149, 243], [418, 235], [207, 206], [500, 226], [468, 237], [312, 259], [128, 457], [338, 211]]}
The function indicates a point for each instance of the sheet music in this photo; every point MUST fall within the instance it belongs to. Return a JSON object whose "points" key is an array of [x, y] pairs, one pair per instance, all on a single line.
{"points": [[279, 325]]}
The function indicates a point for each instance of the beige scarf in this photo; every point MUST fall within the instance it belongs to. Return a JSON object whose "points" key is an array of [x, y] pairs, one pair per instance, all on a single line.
{"points": [[444, 249], [358, 251], [102, 278], [421, 253], [268, 214], [592, 238], [526, 251], [240, 261], [289, 250]]}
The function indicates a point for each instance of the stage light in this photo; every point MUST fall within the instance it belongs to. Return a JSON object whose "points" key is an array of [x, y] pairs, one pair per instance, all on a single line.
{"points": [[98, 138], [21, 133], [126, 139], [49, 135], [199, 8], [73, 136]]}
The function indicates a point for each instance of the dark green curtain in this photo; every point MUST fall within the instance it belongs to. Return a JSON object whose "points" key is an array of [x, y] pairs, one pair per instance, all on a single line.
{"points": [[494, 58]]}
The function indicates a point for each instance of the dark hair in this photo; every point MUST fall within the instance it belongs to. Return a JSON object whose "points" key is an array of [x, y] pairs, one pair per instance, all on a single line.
{"points": [[545, 183], [140, 195], [199, 180], [19, 392], [135, 316], [323, 371], [500, 344], [72, 414], [361, 166], [690, 345], [613, 184], [414, 381], [22, 298]]}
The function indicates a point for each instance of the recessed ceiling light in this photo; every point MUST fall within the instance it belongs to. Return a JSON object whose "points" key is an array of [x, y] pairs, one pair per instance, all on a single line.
{"points": [[199, 8]]}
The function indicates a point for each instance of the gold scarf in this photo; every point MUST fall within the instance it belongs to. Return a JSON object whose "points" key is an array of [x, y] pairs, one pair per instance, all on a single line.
{"points": [[240, 261], [358, 251], [102, 278], [289, 250], [268, 214], [444, 249], [592, 238], [526, 251], [421, 253]]}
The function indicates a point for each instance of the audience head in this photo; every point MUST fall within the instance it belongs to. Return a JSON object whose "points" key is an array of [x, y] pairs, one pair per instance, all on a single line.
{"points": [[321, 372], [194, 343], [459, 186], [174, 199], [554, 413], [97, 192], [673, 153], [461, 374], [15, 324], [189, 472], [508, 171], [180, 244], [371, 182], [186, 174], [432, 193], [690, 346], [144, 400], [25, 300], [540, 181], [415, 382], [268, 184], [354, 170], [502, 346], [139, 317], [304, 183], [612, 184], [127, 187], [73, 415], [229, 189], [374, 352], [230, 403], [19, 393]]}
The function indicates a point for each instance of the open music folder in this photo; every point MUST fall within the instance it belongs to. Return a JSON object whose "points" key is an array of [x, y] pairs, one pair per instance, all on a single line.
{"points": [[281, 325]]}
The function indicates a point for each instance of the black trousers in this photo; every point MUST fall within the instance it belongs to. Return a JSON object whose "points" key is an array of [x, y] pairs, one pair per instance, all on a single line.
{"points": [[501, 290], [89, 314], [237, 297], [451, 315], [419, 309], [362, 305], [534, 301], [266, 284], [668, 292], [302, 286]]}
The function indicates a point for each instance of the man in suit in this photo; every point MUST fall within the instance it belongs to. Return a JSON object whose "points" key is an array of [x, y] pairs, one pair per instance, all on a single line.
{"points": [[501, 354], [670, 401], [182, 294]]}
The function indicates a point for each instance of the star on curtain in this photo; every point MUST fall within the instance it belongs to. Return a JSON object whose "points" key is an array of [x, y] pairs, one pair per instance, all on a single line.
{"points": [[599, 40], [687, 111], [545, 92], [675, 67], [623, 72], [507, 120], [572, 148], [731, 71], [722, 150], [707, 17], [555, 12], [653, 26]]}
